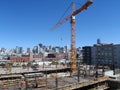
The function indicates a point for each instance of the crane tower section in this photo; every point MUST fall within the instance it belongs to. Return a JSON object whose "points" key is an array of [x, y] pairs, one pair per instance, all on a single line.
{"points": [[73, 49], [73, 35]]}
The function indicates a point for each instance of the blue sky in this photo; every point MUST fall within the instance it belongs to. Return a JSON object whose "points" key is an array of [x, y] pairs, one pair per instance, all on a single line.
{"points": [[28, 22]]}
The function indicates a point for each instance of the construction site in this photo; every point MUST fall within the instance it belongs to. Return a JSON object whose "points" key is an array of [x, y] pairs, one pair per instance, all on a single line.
{"points": [[52, 79], [74, 76]]}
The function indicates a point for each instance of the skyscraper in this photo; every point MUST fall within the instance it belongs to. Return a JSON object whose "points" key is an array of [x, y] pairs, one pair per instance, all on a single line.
{"points": [[19, 50]]}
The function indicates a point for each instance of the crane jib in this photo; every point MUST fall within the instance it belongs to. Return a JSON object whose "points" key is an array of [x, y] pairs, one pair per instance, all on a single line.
{"points": [[73, 14], [85, 6]]}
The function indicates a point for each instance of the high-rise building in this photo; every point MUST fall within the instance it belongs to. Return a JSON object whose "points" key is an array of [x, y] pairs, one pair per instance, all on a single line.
{"points": [[98, 41], [86, 51], [2, 50], [28, 50], [19, 50], [35, 49]]}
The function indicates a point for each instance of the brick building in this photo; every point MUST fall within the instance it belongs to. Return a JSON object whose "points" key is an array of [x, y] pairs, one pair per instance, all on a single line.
{"points": [[20, 58]]}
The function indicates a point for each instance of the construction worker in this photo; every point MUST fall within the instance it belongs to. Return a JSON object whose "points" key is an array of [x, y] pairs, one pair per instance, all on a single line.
{"points": [[96, 75]]}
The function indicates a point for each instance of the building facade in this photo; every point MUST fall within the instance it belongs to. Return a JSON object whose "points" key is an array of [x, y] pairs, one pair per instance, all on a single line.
{"points": [[106, 55], [20, 59], [86, 51]]}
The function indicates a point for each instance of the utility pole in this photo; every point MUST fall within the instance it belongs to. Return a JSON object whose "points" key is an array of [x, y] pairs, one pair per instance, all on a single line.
{"points": [[46, 78], [78, 74], [26, 83], [56, 79]]}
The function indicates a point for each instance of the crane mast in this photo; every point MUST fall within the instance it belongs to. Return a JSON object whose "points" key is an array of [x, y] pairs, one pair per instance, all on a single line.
{"points": [[73, 49], [73, 35]]}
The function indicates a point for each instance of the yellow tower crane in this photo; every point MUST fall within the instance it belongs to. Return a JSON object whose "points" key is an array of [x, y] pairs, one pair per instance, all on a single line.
{"points": [[73, 35]]}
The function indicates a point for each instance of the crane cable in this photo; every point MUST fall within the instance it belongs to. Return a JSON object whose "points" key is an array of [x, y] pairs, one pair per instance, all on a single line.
{"points": [[64, 13], [68, 9]]}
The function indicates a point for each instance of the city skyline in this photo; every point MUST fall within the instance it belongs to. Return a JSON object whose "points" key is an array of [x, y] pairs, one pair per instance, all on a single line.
{"points": [[38, 46], [26, 23]]}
